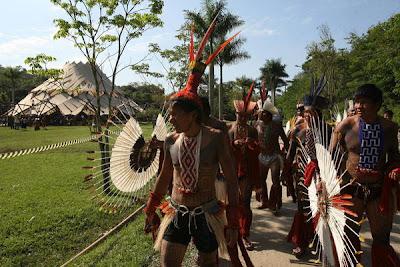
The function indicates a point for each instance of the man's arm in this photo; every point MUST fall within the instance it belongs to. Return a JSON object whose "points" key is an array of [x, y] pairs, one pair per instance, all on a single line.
{"points": [[160, 189], [226, 162], [164, 178], [338, 134], [232, 210], [393, 153]]}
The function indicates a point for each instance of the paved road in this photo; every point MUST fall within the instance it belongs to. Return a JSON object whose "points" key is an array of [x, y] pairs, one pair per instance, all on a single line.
{"points": [[269, 235]]}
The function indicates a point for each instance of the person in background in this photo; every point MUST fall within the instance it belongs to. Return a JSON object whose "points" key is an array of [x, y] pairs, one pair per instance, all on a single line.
{"points": [[388, 114]]}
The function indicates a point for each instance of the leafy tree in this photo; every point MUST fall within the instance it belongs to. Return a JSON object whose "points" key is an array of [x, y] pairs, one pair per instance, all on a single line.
{"points": [[294, 93], [102, 30], [38, 65], [324, 59], [15, 83], [149, 96], [13, 75], [273, 72], [374, 58], [176, 67]]}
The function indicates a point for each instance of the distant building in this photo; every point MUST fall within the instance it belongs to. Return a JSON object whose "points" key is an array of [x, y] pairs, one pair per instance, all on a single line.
{"points": [[71, 95]]}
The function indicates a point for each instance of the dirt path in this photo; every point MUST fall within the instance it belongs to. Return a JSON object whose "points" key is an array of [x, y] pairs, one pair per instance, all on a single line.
{"points": [[269, 235]]}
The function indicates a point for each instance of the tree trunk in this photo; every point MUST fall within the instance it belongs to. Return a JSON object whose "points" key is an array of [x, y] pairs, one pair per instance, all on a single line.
{"points": [[273, 88], [13, 97], [211, 81], [220, 92], [211, 86], [103, 139]]}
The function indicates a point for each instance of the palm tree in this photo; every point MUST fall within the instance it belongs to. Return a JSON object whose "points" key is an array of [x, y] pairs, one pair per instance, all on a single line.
{"points": [[273, 73], [230, 55], [225, 23], [13, 74]]}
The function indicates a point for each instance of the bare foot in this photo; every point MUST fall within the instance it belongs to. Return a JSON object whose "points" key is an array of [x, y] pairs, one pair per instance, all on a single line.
{"points": [[263, 206], [248, 244], [298, 252]]}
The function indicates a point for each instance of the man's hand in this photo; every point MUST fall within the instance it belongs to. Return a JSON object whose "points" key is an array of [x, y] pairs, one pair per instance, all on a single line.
{"points": [[239, 142], [155, 143], [152, 223], [395, 174], [231, 236]]}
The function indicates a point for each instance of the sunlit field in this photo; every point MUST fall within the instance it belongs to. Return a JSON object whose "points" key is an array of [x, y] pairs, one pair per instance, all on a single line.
{"points": [[47, 215]]}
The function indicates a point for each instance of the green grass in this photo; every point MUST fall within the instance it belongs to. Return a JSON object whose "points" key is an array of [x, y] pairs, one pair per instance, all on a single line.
{"points": [[46, 212]]}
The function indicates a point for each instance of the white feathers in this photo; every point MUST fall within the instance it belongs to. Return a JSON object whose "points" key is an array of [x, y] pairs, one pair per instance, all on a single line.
{"points": [[122, 175], [327, 208], [287, 128], [127, 173]]}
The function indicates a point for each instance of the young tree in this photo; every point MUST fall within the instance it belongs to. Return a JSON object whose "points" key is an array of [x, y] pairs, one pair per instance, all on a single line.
{"points": [[102, 30], [176, 67]]}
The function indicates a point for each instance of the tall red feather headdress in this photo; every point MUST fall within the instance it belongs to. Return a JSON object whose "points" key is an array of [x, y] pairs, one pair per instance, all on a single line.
{"points": [[245, 105], [197, 67]]}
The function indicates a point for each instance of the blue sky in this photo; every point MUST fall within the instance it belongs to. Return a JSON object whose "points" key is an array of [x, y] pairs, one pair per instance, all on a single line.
{"points": [[273, 29]]}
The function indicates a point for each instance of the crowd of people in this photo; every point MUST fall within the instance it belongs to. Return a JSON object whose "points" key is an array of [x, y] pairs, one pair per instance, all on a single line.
{"points": [[210, 171]]}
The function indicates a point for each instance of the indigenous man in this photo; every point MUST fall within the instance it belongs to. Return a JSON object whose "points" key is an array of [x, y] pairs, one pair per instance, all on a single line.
{"points": [[373, 165], [388, 114], [193, 154], [301, 230], [290, 168], [269, 132], [243, 139]]}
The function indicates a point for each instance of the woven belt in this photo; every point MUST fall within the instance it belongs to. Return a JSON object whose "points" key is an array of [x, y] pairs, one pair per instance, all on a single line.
{"points": [[193, 213]]}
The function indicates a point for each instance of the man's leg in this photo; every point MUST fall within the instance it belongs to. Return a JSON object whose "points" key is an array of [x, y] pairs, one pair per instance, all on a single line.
{"points": [[172, 253], [248, 215], [205, 242], [208, 259], [264, 190], [381, 226], [275, 201]]}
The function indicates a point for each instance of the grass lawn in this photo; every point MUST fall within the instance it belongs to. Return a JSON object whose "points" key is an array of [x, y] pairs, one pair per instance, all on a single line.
{"points": [[46, 212]]}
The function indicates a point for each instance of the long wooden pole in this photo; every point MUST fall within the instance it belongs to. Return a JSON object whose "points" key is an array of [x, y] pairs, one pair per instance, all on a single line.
{"points": [[124, 221]]}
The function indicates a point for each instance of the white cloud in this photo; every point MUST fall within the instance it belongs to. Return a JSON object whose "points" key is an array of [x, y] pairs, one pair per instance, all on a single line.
{"points": [[306, 20], [25, 45], [260, 28], [262, 32]]}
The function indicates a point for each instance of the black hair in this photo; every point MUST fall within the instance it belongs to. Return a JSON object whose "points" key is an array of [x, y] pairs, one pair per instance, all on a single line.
{"points": [[389, 112], [188, 106], [371, 92], [206, 106]]}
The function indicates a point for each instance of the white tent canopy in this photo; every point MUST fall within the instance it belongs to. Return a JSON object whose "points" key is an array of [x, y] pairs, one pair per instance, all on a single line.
{"points": [[72, 94]]}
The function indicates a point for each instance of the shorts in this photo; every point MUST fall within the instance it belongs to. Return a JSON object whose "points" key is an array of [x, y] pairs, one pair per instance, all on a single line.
{"points": [[178, 232], [267, 160]]}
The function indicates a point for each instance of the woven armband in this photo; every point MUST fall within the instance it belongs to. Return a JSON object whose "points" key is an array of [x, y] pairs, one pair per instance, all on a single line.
{"points": [[152, 203]]}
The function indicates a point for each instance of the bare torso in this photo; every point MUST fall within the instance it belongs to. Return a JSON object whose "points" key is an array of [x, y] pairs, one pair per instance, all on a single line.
{"points": [[268, 136], [348, 136], [205, 190], [237, 131]]}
